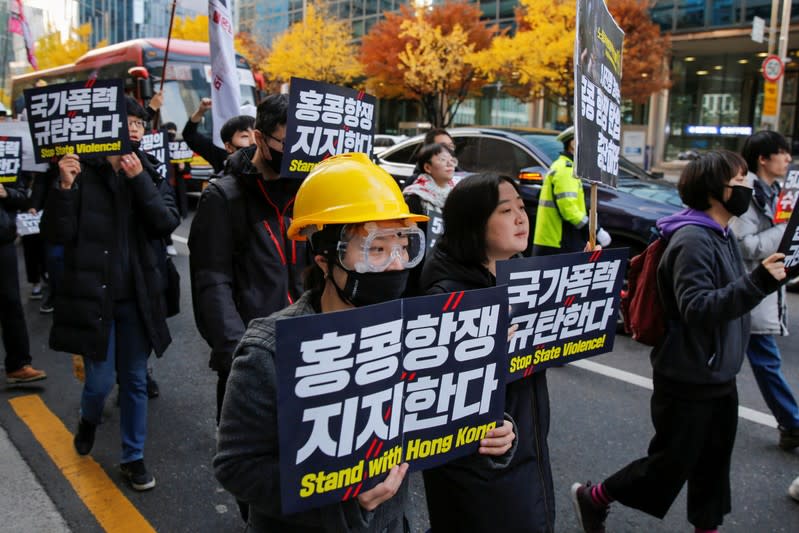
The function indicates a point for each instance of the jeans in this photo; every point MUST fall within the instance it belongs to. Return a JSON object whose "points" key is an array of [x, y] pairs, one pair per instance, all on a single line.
{"points": [[128, 348], [764, 356], [12, 318]]}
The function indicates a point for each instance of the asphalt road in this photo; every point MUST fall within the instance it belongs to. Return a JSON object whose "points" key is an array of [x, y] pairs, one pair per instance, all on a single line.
{"points": [[599, 423]]}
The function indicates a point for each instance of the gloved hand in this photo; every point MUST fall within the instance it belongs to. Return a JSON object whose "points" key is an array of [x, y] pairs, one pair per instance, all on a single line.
{"points": [[603, 238]]}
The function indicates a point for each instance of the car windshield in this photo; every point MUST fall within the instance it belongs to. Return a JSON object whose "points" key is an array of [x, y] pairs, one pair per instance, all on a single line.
{"points": [[546, 142], [659, 192]]}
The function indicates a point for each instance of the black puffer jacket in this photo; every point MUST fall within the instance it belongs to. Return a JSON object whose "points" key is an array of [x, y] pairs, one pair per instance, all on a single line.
{"points": [[89, 220], [465, 495], [14, 201], [243, 266]]}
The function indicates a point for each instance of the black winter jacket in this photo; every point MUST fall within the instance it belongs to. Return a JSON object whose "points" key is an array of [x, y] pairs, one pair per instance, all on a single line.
{"points": [[465, 495], [204, 146], [706, 295], [13, 202], [86, 219], [243, 266]]}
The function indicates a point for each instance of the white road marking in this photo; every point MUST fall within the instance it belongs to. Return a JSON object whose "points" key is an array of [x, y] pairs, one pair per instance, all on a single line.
{"points": [[646, 383]]}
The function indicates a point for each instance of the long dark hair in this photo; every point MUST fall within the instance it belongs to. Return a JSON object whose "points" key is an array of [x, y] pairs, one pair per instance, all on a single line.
{"points": [[466, 213]]}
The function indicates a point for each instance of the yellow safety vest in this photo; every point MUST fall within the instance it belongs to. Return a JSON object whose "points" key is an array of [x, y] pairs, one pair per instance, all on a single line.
{"points": [[562, 199]]}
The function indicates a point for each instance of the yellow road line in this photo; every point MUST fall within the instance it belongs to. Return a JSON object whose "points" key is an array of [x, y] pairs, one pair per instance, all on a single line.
{"points": [[114, 512]]}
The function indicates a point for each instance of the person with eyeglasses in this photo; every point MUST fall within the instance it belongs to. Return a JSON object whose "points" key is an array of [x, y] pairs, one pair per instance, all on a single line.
{"points": [[364, 240], [427, 194], [242, 264], [111, 215]]}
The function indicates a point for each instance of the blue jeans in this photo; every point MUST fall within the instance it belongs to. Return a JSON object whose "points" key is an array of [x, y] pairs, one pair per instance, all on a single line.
{"points": [[764, 356], [128, 348]]}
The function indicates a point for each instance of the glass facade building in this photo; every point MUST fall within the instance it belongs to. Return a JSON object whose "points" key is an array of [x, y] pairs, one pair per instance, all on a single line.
{"points": [[122, 20], [717, 93]]}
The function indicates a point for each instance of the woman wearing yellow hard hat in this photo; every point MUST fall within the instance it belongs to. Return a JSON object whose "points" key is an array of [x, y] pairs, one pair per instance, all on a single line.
{"points": [[364, 239]]}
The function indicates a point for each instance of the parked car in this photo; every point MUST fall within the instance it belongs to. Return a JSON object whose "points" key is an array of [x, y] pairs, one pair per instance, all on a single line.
{"points": [[627, 212], [381, 142]]}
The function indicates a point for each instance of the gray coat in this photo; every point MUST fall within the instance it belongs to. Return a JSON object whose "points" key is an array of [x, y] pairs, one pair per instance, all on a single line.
{"points": [[758, 238], [247, 460]]}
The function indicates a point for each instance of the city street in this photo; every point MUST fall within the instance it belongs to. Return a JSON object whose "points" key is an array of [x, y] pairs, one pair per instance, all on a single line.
{"points": [[599, 422]]}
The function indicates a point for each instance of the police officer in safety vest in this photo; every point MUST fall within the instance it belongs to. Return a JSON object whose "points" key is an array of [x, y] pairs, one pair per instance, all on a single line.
{"points": [[561, 222]]}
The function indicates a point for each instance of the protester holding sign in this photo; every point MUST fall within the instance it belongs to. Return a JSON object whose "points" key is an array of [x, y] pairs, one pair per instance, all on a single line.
{"points": [[364, 239], [767, 155], [427, 194], [112, 214], [180, 172], [12, 318], [561, 222], [242, 264], [235, 133], [706, 295], [485, 222]]}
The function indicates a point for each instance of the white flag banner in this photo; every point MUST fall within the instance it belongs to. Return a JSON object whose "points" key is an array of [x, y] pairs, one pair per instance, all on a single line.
{"points": [[225, 93]]}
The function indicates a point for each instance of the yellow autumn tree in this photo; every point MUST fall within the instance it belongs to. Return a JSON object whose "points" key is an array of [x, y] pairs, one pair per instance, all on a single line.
{"points": [[53, 51], [537, 60], [191, 28], [432, 65], [318, 48]]}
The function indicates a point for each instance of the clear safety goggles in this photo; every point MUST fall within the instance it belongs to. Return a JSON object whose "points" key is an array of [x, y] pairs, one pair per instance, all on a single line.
{"points": [[370, 248]]}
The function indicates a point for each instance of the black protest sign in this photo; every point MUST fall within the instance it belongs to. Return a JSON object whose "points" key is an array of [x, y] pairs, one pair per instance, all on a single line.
{"points": [[361, 391], [597, 92], [565, 305], [325, 120], [787, 199], [83, 118], [790, 245], [179, 152], [155, 143], [435, 227], [10, 158]]}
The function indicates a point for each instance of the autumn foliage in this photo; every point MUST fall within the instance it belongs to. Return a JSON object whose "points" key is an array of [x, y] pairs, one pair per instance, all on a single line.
{"points": [[53, 51], [421, 55], [646, 51], [318, 48]]}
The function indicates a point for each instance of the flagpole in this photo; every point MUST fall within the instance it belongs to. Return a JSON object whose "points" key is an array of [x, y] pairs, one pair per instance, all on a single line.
{"points": [[166, 57]]}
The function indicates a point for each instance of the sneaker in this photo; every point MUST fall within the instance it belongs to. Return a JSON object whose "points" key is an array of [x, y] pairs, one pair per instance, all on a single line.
{"points": [[152, 385], [84, 438], [138, 476], [36, 291], [26, 374], [170, 250], [793, 490], [590, 515], [46, 308], [789, 438]]}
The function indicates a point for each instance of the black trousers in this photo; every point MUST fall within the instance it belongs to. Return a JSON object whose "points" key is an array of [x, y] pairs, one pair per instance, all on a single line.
{"points": [[12, 318], [33, 249], [693, 442]]}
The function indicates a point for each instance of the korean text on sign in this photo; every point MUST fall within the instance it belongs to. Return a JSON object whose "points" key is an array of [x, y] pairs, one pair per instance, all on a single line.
{"points": [[10, 158], [78, 118], [325, 120], [412, 381], [565, 306]]}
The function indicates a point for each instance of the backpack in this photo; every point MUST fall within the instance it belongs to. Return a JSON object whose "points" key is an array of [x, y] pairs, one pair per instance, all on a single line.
{"points": [[641, 307]]}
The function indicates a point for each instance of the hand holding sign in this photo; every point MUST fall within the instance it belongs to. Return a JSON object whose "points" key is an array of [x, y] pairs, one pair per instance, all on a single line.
{"points": [[498, 440], [131, 165], [385, 490], [775, 266], [68, 168]]}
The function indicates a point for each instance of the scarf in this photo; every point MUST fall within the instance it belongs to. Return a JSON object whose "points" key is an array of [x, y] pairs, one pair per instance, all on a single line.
{"points": [[426, 188]]}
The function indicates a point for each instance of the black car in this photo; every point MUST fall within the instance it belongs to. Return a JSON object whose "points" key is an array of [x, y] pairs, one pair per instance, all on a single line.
{"points": [[628, 212]]}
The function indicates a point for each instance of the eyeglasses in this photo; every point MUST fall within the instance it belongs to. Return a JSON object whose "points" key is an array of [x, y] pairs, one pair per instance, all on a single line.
{"points": [[281, 141], [448, 161], [137, 123]]}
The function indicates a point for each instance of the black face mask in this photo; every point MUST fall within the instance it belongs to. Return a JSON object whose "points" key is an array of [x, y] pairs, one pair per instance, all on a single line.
{"points": [[276, 161], [373, 287], [135, 145], [739, 200], [171, 135]]}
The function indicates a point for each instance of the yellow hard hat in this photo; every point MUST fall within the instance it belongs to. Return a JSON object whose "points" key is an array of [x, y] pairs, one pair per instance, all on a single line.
{"points": [[347, 189]]}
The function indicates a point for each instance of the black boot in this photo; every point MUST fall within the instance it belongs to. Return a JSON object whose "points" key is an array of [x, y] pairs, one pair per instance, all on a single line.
{"points": [[84, 438]]}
